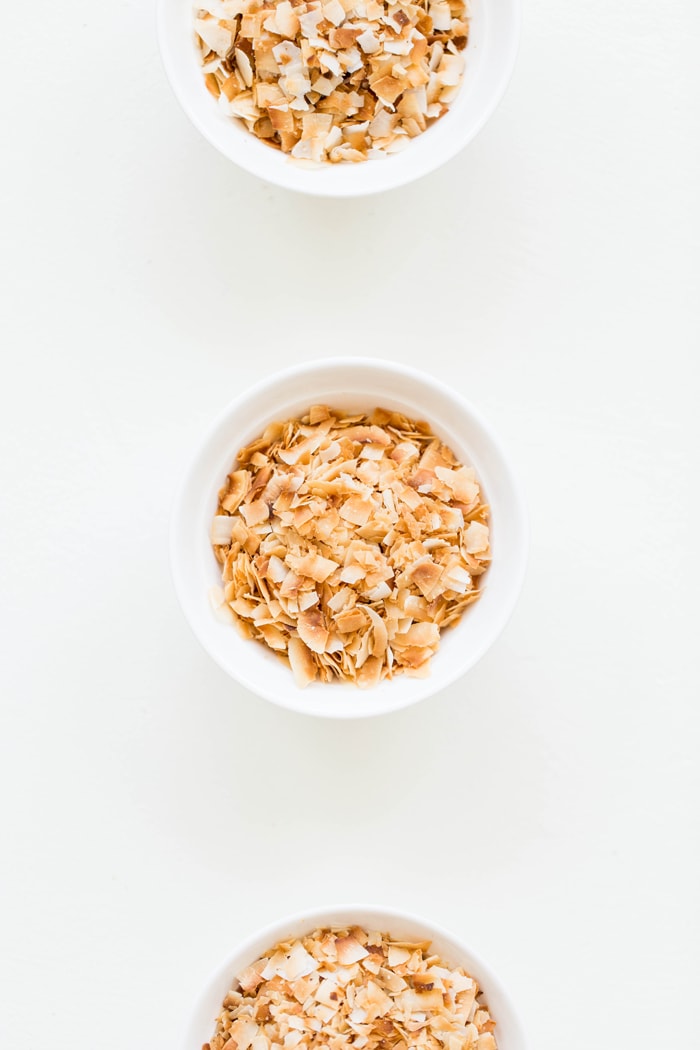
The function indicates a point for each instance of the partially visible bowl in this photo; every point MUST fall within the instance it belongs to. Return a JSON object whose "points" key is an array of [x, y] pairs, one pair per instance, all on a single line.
{"points": [[490, 55], [352, 385], [402, 926]]}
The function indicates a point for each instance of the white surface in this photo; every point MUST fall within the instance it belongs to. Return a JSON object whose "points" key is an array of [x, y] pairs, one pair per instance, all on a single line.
{"points": [[399, 924], [545, 809], [490, 56], [352, 385]]}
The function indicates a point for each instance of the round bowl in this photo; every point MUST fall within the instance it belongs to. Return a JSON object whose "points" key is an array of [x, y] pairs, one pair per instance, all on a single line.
{"points": [[351, 385], [402, 926], [490, 55]]}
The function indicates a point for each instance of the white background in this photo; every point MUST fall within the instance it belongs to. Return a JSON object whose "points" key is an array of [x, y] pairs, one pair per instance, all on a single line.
{"points": [[546, 807]]}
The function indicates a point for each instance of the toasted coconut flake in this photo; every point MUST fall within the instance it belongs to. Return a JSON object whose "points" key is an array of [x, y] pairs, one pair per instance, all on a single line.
{"points": [[352, 574], [351, 620], [238, 488], [284, 22], [213, 35], [221, 608], [425, 574], [298, 963], [254, 513], [356, 510], [308, 598], [276, 569], [312, 630], [349, 950], [379, 592], [274, 637], [476, 537], [397, 956], [302, 662], [334, 12], [424, 635], [380, 635], [221, 530], [250, 978], [313, 565], [349, 567]]}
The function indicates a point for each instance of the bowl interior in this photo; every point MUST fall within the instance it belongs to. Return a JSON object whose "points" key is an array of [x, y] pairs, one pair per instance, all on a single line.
{"points": [[509, 1030], [490, 57], [350, 386]]}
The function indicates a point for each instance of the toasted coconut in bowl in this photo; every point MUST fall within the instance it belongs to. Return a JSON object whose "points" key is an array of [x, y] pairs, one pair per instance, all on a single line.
{"points": [[340, 101], [347, 543], [217, 501], [355, 975]]}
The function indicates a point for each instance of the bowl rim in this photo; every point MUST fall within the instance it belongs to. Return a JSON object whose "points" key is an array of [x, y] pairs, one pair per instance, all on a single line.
{"points": [[275, 174], [178, 532], [362, 915]]}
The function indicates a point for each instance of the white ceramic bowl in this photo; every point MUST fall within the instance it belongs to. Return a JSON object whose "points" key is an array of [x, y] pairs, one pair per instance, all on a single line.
{"points": [[509, 1030], [490, 54], [349, 384]]}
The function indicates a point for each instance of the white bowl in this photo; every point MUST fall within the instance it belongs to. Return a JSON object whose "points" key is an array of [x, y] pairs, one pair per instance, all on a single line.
{"points": [[403, 926], [352, 385], [490, 55]]}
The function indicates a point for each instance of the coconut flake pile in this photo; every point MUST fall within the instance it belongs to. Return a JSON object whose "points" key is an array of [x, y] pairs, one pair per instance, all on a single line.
{"points": [[340, 80], [347, 988], [348, 542]]}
